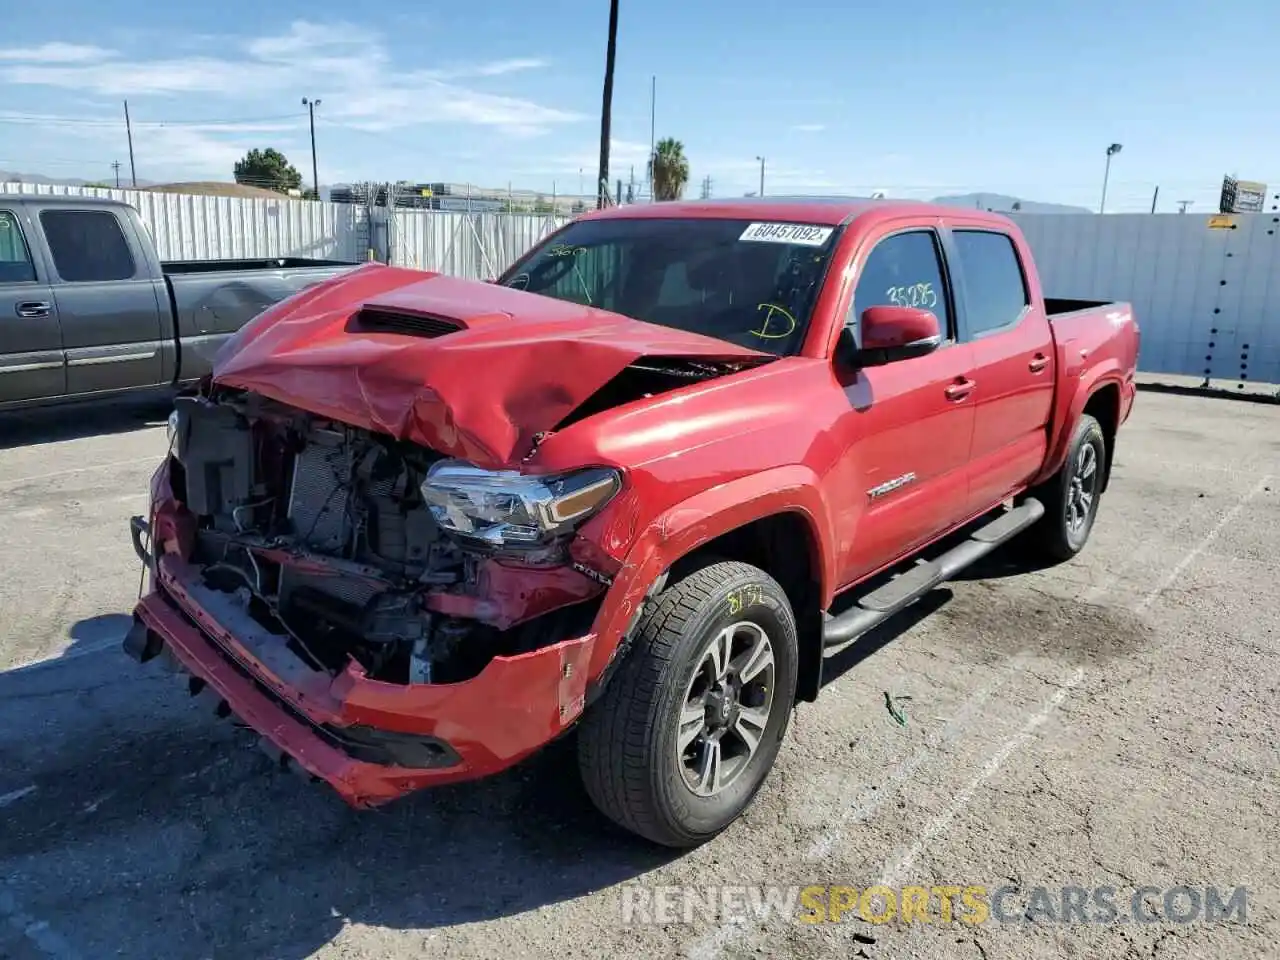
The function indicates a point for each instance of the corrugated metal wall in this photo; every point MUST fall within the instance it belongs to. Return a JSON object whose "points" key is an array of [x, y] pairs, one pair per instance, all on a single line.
{"points": [[1207, 294], [187, 227], [1207, 297], [477, 245]]}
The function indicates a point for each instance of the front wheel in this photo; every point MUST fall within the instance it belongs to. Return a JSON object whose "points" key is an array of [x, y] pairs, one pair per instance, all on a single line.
{"points": [[687, 731], [1071, 496]]}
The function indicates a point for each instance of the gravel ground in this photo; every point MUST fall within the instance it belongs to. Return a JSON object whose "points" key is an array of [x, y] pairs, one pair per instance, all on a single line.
{"points": [[1107, 722]]}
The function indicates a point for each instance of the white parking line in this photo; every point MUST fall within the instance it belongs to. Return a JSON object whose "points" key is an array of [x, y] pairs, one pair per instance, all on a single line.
{"points": [[873, 800], [15, 795], [1186, 561], [43, 937], [86, 650], [710, 946], [32, 512], [14, 482], [894, 870]]}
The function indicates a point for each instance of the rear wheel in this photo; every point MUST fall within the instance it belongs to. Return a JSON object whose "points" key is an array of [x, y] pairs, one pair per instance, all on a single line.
{"points": [[687, 731], [1071, 496]]}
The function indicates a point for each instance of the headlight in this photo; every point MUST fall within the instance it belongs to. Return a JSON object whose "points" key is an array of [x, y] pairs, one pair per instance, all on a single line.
{"points": [[505, 508]]}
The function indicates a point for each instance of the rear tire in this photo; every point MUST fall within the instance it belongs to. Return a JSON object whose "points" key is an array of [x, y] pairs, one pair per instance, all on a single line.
{"points": [[1071, 496], [688, 729]]}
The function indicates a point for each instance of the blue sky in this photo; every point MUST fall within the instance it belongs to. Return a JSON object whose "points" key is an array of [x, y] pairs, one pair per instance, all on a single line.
{"points": [[911, 96]]}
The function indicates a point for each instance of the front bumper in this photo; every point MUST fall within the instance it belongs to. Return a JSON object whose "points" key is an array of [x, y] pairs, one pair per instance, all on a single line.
{"points": [[371, 741]]}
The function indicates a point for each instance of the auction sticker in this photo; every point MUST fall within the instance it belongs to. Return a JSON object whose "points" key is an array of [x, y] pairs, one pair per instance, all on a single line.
{"points": [[804, 234]]}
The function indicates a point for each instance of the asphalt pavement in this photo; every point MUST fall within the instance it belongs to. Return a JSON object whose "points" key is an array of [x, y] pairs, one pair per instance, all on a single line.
{"points": [[1107, 723]]}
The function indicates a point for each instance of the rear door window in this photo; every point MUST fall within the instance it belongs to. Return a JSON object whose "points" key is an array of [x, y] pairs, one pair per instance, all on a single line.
{"points": [[87, 245], [16, 265], [995, 290]]}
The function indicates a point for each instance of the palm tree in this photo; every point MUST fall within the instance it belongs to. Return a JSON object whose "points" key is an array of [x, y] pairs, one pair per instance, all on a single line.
{"points": [[670, 170], [606, 108]]}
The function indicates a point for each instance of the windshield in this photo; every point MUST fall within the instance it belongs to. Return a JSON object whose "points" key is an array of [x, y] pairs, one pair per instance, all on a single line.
{"points": [[751, 283]]}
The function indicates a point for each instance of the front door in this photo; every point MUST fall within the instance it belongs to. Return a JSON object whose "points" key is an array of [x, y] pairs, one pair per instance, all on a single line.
{"points": [[114, 325], [31, 359], [910, 423]]}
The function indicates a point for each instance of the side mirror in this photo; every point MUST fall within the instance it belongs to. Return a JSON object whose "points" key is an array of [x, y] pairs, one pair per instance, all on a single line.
{"points": [[892, 333]]}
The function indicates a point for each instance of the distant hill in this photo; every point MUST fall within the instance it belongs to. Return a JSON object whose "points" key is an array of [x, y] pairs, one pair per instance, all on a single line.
{"points": [[9, 176], [212, 188], [1002, 203]]}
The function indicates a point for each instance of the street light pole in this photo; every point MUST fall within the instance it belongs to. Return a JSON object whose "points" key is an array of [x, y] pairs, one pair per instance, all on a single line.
{"points": [[1111, 152], [315, 174], [761, 159]]}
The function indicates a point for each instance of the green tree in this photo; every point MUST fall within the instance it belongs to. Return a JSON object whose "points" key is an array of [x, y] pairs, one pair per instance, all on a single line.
{"points": [[268, 169], [670, 170]]}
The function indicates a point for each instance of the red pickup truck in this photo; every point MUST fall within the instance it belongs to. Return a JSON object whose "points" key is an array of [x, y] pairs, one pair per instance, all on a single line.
{"points": [[414, 527]]}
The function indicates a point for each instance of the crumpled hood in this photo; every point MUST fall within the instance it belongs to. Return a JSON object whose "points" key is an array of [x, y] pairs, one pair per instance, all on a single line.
{"points": [[519, 364]]}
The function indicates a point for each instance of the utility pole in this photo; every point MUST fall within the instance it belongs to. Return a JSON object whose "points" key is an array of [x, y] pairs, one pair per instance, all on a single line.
{"points": [[653, 117], [1154, 197], [128, 129], [1111, 152], [606, 107], [115, 165], [761, 159], [315, 174], [706, 187], [1183, 204]]}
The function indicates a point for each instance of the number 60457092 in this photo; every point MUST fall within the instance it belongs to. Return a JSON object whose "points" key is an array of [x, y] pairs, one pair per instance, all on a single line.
{"points": [[914, 295]]}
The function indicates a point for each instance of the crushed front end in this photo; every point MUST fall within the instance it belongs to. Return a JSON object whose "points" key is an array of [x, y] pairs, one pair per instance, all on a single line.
{"points": [[382, 615]]}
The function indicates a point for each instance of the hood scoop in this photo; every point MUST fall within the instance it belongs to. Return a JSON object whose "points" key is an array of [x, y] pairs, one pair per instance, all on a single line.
{"points": [[381, 320]]}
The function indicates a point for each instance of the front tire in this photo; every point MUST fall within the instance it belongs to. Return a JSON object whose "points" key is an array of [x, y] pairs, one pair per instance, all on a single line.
{"points": [[1071, 496], [688, 729]]}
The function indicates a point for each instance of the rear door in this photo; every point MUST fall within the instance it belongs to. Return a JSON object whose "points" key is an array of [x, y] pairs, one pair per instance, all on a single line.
{"points": [[1013, 363], [114, 326], [31, 359], [910, 423]]}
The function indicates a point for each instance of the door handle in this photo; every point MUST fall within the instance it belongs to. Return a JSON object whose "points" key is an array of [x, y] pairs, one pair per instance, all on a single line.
{"points": [[33, 308], [1038, 363], [960, 389]]}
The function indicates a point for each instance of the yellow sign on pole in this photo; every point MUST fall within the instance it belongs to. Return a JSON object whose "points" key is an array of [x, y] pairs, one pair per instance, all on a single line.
{"points": [[426, 191]]}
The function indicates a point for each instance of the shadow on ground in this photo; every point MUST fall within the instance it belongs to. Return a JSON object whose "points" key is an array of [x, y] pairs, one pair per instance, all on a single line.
{"points": [[146, 827], [89, 419]]}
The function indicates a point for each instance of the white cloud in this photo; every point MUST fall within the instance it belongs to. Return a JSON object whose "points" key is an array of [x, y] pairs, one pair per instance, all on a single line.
{"points": [[622, 154], [425, 99], [304, 40], [56, 53], [159, 77], [500, 67], [346, 66]]}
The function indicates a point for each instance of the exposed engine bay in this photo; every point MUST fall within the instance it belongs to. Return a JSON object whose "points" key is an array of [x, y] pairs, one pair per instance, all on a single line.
{"points": [[321, 533]]}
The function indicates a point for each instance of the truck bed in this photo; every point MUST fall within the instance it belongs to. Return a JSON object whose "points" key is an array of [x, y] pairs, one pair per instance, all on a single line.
{"points": [[1058, 307], [218, 297]]}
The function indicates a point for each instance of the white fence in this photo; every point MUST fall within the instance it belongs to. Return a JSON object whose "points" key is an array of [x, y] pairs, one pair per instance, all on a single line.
{"points": [[476, 245], [187, 227], [1206, 289], [1207, 292]]}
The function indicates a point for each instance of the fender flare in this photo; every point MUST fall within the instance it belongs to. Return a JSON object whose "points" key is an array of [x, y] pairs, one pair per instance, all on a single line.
{"points": [[1105, 375], [690, 524]]}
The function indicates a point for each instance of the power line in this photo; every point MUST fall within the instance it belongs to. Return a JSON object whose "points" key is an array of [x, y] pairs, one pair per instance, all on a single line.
{"points": [[56, 120]]}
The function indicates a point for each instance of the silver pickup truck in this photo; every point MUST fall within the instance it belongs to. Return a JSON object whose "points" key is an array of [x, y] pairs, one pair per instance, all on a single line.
{"points": [[87, 309]]}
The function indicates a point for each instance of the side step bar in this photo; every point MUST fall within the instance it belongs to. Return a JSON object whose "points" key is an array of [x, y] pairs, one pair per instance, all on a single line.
{"points": [[883, 602]]}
